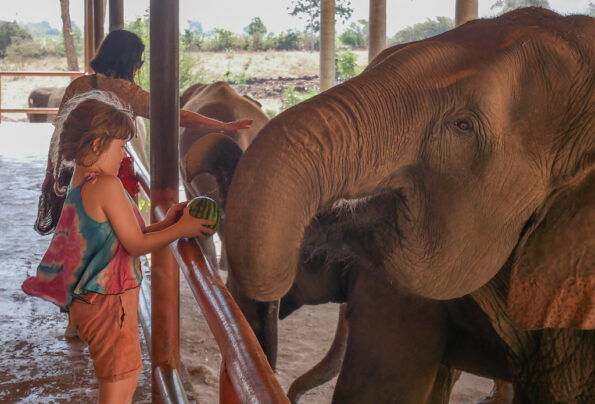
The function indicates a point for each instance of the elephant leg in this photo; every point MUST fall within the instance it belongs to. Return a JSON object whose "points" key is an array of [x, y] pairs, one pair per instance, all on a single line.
{"points": [[394, 346], [445, 380], [502, 393], [328, 367]]}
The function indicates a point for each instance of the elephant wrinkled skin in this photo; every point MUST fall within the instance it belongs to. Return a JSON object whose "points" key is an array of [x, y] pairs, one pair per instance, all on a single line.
{"points": [[468, 160]]}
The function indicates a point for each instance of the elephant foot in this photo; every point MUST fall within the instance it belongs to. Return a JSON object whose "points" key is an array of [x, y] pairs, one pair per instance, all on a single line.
{"points": [[502, 393]]}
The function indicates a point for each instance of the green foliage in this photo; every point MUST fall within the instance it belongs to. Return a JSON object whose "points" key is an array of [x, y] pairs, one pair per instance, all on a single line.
{"points": [[292, 97], [141, 28], [290, 40], [508, 5], [591, 10], [41, 29], [356, 35], [345, 63], [271, 113], [422, 30], [9, 32], [310, 10], [22, 49], [220, 40], [256, 30]]}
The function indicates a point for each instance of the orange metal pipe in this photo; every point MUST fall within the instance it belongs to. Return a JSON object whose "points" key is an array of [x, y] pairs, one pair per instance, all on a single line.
{"points": [[251, 376], [42, 73]]}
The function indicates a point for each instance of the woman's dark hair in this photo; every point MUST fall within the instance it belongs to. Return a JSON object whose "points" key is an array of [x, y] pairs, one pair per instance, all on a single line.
{"points": [[118, 55]]}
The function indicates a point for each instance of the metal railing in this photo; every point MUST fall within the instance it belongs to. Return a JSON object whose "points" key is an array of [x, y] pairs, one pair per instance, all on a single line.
{"points": [[246, 376], [33, 74]]}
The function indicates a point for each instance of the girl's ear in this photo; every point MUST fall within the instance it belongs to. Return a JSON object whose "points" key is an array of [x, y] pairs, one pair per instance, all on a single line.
{"points": [[95, 146], [553, 278]]}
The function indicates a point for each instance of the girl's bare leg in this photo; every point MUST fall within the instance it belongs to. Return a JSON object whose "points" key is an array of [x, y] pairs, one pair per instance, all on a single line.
{"points": [[118, 392]]}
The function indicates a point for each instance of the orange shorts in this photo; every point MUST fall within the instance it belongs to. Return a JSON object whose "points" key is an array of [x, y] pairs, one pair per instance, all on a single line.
{"points": [[109, 325]]}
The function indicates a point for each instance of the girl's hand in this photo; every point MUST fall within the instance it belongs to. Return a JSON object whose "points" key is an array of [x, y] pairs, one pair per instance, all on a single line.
{"points": [[193, 227], [237, 125], [174, 213]]}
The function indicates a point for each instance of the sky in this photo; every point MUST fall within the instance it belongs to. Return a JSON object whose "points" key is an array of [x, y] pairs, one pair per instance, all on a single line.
{"points": [[234, 15]]}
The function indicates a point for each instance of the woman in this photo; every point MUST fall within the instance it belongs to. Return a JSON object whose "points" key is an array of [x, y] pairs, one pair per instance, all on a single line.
{"points": [[118, 59]]}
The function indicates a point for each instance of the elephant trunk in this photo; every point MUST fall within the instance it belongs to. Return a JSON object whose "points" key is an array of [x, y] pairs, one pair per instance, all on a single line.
{"points": [[304, 159]]}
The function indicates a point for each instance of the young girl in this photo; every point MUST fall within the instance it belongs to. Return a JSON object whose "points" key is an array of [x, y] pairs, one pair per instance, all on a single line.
{"points": [[92, 266]]}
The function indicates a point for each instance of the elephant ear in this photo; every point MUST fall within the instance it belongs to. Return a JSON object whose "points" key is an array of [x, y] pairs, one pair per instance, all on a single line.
{"points": [[252, 100], [216, 154], [553, 280]]}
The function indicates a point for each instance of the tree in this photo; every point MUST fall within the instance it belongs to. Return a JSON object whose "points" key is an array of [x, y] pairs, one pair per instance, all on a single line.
{"points": [[195, 27], [41, 29], [509, 5], [422, 30], [71, 59], [310, 10], [9, 32], [256, 30], [356, 35]]}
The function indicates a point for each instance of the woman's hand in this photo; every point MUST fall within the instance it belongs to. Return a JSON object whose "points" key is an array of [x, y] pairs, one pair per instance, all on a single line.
{"points": [[193, 227], [237, 125]]}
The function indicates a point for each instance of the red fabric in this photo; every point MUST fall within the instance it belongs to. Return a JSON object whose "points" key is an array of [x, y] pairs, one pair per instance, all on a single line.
{"points": [[128, 176]]}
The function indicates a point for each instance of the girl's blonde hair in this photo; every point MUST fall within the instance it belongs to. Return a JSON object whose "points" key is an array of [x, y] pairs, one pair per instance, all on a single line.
{"points": [[83, 119]]}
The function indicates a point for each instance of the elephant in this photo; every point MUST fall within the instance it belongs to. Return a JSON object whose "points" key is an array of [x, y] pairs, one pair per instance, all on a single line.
{"points": [[468, 163], [207, 160], [44, 97]]}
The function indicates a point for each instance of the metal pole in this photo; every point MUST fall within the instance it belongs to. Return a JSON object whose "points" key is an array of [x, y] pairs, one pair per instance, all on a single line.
{"points": [[89, 34], [116, 15], [99, 18], [377, 28], [165, 276], [327, 44]]}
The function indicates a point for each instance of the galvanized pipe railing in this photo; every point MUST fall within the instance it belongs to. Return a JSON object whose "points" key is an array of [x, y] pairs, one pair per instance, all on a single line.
{"points": [[244, 366]]}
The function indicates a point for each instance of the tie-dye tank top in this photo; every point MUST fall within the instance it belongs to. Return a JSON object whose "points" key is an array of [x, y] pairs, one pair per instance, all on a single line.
{"points": [[84, 256]]}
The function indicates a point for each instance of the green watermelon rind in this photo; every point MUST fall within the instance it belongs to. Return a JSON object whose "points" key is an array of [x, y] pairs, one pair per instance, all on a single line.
{"points": [[203, 207]]}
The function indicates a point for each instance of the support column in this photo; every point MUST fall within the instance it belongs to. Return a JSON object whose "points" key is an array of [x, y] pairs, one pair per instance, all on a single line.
{"points": [[116, 15], [165, 279], [466, 10], [377, 26], [89, 33], [99, 20], [327, 44]]}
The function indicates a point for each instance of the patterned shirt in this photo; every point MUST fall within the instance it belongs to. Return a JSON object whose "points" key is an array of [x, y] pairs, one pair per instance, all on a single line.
{"points": [[84, 256]]}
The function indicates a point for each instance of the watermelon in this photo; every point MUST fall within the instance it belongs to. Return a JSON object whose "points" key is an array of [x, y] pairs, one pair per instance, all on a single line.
{"points": [[203, 207]]}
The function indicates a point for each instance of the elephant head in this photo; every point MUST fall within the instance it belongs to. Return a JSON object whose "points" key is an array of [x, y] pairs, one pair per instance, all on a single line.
{"points": [[480, 137], [208, 159]]}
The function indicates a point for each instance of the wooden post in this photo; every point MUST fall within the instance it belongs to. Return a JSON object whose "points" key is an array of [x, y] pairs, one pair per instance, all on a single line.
{"points": [[116, 15], [327, 44], [89, 34], [99, 20], [466, 10], [165, 276], [377, 28]]}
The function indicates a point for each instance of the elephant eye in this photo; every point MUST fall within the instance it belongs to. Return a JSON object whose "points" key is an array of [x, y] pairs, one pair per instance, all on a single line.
{"points": [[463, 124]]}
